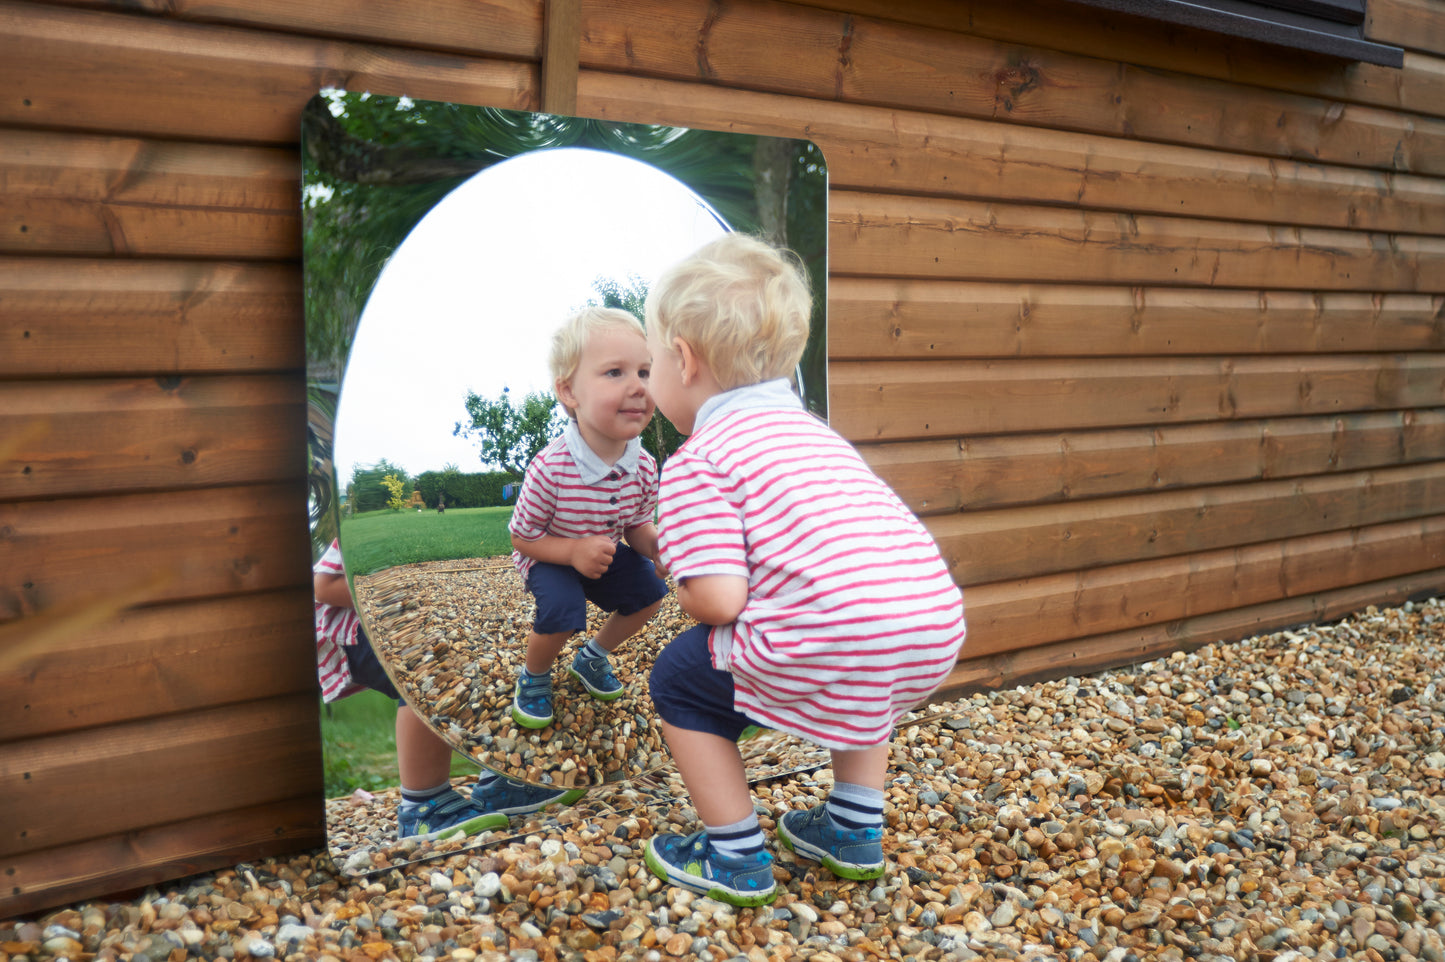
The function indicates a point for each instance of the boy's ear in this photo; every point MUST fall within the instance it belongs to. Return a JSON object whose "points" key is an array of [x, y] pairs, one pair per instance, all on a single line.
{"points": [[563, 390], [689, 361]]}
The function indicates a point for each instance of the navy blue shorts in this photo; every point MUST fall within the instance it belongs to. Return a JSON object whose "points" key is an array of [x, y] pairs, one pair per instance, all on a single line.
{"points": [[628, 585], [690, 693], [366, 667]]}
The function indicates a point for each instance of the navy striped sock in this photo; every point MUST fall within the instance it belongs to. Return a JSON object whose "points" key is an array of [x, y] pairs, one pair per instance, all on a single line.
{"points": [[425, 795], [852, 808], [738, 840], [591, 651]]}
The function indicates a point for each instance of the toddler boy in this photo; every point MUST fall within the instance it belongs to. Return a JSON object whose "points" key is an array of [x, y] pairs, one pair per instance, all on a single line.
{"points": [[583, 528], [825, 608]]}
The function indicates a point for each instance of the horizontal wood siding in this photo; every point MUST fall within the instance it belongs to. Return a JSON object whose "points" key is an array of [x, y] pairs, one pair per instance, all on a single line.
{"points": [[72, 317], [1147, 325], [152, 415]]}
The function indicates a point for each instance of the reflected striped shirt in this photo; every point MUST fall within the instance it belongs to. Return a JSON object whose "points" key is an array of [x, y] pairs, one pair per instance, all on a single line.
{"points": [[335, 630], [569, 492]]}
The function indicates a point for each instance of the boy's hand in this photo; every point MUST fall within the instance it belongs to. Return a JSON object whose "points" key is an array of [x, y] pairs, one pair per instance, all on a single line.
{"points": [[593, 556]]}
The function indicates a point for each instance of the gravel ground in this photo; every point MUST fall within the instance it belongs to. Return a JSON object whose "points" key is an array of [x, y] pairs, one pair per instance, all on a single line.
{"points": [[1277, 799], [455, 637]]}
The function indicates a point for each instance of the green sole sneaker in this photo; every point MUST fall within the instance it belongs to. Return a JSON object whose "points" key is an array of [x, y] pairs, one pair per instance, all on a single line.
{"points": [[851, 855], [530, 719], [688, 862], [597, 677]]}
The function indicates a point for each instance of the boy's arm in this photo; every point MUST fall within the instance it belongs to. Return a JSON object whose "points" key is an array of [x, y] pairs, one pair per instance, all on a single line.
{"points": [[331, 590], [713, 599], [642, 538], [591, 556]]}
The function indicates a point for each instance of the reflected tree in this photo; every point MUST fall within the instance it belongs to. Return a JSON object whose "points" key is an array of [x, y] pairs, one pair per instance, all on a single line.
{"points": [[509, 435], [373, 166]]}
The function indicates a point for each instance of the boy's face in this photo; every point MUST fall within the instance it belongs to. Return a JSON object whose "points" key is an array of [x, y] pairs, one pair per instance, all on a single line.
{"points": [[666, 386], [609, 390]]}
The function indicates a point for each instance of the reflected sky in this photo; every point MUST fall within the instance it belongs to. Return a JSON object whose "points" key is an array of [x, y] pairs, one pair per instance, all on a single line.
{"points": [[470, 298]]}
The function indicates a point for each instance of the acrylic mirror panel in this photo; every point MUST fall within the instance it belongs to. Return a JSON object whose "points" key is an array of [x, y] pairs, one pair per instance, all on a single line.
{"points": [[443, 243]]}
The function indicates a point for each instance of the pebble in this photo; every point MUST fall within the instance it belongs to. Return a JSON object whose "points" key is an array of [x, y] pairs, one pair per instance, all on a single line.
{"points": [[1021, 824]]}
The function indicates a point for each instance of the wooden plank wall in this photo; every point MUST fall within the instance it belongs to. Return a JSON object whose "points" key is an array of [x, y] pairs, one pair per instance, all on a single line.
{"points": [[1149, 326]]}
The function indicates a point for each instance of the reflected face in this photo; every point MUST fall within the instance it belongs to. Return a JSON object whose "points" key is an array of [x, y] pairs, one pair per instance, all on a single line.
{"points": [[608, 391]]}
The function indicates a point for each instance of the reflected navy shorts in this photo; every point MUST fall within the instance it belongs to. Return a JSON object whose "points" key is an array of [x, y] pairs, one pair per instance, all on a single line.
{"points": [[690, 693], [366, 667], [628, 585]]}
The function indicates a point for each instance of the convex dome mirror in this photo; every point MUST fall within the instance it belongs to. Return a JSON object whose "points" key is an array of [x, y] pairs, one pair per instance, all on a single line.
{"points": [[443, 245]]}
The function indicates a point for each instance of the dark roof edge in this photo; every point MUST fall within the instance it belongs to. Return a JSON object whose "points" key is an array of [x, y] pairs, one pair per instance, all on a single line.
{"points": [[1257, 21]]}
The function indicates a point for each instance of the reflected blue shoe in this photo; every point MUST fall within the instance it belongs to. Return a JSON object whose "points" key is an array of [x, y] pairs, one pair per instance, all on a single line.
{"points": [[596, 676], [445, 816], [852, 855], [532, 701], [504, 796], [689, 861]]}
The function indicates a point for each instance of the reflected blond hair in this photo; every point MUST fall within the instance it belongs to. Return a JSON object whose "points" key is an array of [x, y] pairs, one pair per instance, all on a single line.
{"points": [[570, 340], [741, 304]]}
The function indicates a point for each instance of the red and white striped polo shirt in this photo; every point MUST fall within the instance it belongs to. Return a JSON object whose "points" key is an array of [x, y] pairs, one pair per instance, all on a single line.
{"points": [[569, 492], [852, 617], [335, 630]]}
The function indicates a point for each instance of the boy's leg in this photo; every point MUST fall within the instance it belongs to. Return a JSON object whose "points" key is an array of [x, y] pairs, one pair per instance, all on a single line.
{"points": [[591, 665], [726, 860], [561, 612], [845, 833], [632, 591], [712, 770], [423, 758], [861, 766], [430, 807], [543, 649], [619, 627], [532, 695]]}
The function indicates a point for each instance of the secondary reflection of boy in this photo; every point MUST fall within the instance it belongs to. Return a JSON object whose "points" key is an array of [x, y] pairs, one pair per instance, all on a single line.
{"points": [[825, 608], [430, 807], [582, 529]]}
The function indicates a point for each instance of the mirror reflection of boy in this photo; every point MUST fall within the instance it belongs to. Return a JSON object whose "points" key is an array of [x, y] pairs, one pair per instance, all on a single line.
{"points": [[582, 526], [825, 608], [430, 808]]}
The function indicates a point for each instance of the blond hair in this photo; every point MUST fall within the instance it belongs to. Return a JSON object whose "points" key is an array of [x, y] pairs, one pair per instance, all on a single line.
{"points": [[741, 304], [570, 340]]}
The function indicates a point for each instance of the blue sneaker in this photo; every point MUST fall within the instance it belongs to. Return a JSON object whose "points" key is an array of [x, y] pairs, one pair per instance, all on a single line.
{"points": [[596, 676], [445, 816], [504, 796], [852, 855], [532, 701], [688, 861]]}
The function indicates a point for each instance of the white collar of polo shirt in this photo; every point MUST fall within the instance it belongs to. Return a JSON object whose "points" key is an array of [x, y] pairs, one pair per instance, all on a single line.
{"points": [[777, 393], [591, 467]]}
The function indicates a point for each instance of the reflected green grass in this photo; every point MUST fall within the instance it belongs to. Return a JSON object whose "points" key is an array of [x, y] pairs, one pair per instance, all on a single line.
{"points": [[358, 735], [384, 539]]}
